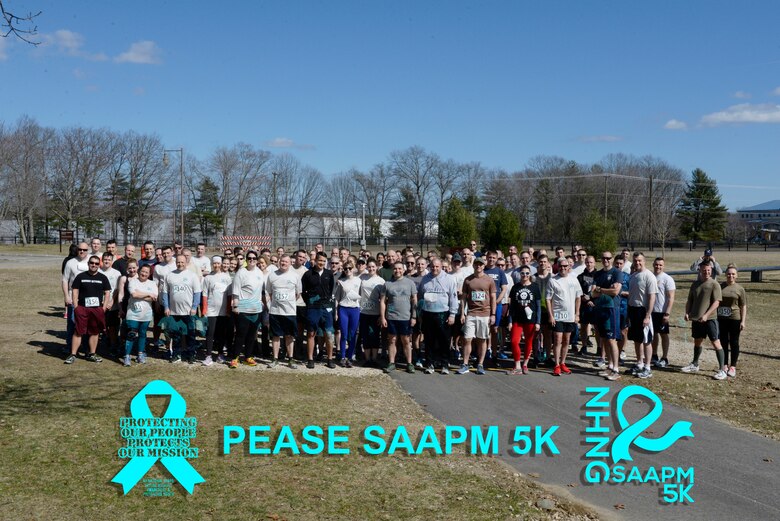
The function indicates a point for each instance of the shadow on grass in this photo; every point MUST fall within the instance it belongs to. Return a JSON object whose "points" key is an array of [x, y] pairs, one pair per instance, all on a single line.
{"points": [[54, 311], [762, 355]]}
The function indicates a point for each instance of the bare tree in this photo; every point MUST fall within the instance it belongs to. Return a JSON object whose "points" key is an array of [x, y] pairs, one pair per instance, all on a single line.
{"points": [[376, 190], [22, 172], [299, 193], [22, 27], [416, 170], [340, 196]]}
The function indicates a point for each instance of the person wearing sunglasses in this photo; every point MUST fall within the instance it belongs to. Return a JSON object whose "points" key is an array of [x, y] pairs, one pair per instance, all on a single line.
{"points": [[563, 306], [91, 297], [347, 300], [607, 285], [524, 318], [72, 269], [247, 306]]}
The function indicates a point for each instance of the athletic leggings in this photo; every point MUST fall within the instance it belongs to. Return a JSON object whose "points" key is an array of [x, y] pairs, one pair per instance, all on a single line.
{"points": [[220, 331], [729, 339], [349, 320], [246, 334], [140, 328], [529, 332]]}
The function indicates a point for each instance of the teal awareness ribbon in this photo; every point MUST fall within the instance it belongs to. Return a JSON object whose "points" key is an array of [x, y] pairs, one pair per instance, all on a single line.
{"points": [[138, 466], [631, 433]]}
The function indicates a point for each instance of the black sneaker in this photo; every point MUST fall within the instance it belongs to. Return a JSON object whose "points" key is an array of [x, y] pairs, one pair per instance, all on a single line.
{"points": [[342, 362], [391, 367], [70, 359], [348, 363], [330, 364], [310, 364], [92, 357]]}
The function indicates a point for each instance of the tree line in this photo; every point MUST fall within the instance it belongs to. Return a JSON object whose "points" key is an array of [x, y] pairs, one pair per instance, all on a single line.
{"points": [[98, 180]]}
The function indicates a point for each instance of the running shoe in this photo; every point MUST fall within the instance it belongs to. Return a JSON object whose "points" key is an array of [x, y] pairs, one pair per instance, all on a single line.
{"points": [[343, 362], [613, 376], [690, 368], [175, 359], [207, 361], [418, 364], [273, 363], [720, 375], [310, 364], [584, 351], [389, 368], [565, 370], [502, 356], [141, 358], [445, 369], [331, 364], [480, 369], [250, 361], [221, 359], [732, 372], [600, 363], [654, 359], [557, 371], [464, 369], [635, 369], [646, 373], [622, 355], [515, 372], [604, 372], [525, 369], [291, 364], [429, 369], [348, 364], [409, 368], [70, 359], [233, 363], [92, 357], [126, 361]]}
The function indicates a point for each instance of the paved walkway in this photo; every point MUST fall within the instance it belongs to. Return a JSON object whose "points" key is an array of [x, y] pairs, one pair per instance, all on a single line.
{"points": [[736, 472]]}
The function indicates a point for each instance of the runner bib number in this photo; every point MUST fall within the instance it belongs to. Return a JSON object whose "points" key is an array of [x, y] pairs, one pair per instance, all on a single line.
{"points": [[478, 296], [281, 296], [563, 316], [91, 302], [724, 311]]}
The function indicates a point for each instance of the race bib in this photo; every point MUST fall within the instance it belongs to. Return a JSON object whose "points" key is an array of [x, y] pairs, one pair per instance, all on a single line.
{"points": [[430, 297], [369, 305], [478, 296], [91, 302], [724, 311], [281, 296], [137, 307], [563, 316]]}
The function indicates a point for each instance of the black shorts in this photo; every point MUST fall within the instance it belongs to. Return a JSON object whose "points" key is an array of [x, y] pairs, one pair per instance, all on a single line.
{"points": [[112, 318], [659, 326], [544, 318], [282, 325], [564, 327], [707, 329], [586, 314], [637, 331], [457, 326]]}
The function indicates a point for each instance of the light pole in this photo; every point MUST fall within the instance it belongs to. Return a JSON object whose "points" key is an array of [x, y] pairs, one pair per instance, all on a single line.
{"points": [[166, 162], [274, 212]]}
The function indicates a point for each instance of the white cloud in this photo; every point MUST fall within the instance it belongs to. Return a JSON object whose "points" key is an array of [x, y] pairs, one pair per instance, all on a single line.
{"points": [[283, 142], [600, 139], [776, 92], [676, 124], [740, 94], [69, 43], [744, 113], [145, 51]]}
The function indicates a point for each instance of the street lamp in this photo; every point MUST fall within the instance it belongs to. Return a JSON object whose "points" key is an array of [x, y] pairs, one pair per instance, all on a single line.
{"points": [[166, 162]]}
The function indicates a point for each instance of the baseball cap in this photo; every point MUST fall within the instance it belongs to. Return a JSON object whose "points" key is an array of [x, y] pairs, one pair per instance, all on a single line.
{"points": [[708, 252], [479, 260], [457, 258]]}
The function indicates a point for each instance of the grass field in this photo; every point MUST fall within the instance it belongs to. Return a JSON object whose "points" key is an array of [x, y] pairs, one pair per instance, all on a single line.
{"points": [[59, 435]]}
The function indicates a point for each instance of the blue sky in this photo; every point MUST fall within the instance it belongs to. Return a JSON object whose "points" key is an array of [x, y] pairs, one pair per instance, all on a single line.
{"points": [[342, 84]]}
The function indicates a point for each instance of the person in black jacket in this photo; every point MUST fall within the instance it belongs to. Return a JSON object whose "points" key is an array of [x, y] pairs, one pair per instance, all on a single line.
{"points": [[317, 291]]}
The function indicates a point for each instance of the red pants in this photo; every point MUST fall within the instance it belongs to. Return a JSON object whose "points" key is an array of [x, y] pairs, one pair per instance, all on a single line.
{"points": [[529, 332]]}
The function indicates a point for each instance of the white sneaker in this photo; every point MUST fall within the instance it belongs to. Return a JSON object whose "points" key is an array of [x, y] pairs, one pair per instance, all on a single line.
{"points": [[732, 372], [720, 375], [600, 363], [622, 355], [207, 361], [690, 368], [445, 370]]}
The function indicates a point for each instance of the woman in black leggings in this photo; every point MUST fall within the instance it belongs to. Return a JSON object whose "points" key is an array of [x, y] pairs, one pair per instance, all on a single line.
{"points": [[732, 314]]}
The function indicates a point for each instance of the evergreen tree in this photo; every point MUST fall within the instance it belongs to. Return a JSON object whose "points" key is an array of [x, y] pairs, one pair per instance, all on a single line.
{"points": [[204, 216], [595, 234], [457, 225], [702, 216], [501, 229], [406, 214]]}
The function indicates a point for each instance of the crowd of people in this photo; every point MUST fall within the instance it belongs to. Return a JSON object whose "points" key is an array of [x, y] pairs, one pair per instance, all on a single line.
{"points": [[462, 310]]}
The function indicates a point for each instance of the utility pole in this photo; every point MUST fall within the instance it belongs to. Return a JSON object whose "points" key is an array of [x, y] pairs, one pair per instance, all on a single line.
{"points": [[274, 202], [651, 213], [606, 176], [166, 162], [363, 241]]}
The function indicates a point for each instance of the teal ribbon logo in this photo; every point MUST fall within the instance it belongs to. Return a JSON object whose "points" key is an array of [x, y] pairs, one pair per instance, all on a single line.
{"points": [[150, 439], [631, 433]]}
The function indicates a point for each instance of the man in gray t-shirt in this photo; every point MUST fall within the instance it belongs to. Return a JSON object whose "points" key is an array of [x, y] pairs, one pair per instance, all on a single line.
{"points": [[398, 311]]}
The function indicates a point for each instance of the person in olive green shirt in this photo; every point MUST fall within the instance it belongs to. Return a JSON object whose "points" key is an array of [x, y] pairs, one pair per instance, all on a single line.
{"points": [[732, 313], [703, 299]]}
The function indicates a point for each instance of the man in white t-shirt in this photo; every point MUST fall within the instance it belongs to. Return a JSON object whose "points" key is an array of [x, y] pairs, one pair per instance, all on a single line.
{"points": [[283, 288], [642, 290], [161, 270], [201, 260], [73, 267], [563, 308], [181, 292], [664, 300]]}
